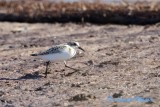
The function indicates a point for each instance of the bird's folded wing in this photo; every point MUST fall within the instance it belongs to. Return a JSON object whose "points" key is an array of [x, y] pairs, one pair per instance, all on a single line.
{"points": [[55, 49]]}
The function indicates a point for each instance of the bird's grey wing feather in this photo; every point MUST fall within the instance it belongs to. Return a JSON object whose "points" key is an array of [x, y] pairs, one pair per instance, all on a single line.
{"points": [[55, 49]]}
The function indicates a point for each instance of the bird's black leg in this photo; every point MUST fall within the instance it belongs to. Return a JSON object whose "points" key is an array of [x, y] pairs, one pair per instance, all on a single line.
{"points": [[65, 63], [69, 66], [47, 64]]}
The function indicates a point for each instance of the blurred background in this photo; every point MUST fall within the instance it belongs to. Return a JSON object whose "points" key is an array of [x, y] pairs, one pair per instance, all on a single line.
{"points": [[92, 11]]}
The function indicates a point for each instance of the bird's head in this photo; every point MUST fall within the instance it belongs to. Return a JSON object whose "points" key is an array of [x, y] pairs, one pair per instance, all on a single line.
{"points": [[75, 45]]}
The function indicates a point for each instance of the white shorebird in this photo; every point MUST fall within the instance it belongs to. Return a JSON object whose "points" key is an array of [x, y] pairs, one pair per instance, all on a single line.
{"points": [[57, 53]]}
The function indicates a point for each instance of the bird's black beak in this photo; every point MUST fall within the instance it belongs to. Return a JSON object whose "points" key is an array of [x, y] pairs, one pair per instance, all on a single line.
{"points": [[81, 49]]}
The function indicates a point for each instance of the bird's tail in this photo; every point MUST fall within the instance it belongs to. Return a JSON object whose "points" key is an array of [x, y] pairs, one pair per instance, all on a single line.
{"points": [[34, 54]]}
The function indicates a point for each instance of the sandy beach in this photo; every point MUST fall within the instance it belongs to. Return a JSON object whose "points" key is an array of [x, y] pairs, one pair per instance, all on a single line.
{"points": [[120, 61]]}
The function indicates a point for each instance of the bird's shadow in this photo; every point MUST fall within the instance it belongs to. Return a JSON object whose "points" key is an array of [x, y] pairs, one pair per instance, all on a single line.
{"points": [[34, 75]]}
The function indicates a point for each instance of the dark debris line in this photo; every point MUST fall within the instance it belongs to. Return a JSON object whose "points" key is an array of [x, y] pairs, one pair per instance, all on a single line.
{"points": [[96, 13], [90, 16]]}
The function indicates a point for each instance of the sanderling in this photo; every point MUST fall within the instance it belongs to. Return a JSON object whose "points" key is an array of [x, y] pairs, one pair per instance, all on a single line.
{"points": [[60, 52]]}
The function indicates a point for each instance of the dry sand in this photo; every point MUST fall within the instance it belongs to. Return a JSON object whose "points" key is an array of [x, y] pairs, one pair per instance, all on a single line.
{"points": [[121, 61]]}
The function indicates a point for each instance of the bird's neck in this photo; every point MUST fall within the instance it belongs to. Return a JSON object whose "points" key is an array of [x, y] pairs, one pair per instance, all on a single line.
{"points": [[72, 50]]}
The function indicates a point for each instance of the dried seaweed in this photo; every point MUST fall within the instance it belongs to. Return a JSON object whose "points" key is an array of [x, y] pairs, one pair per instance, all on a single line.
{"points": [[96, 12]]}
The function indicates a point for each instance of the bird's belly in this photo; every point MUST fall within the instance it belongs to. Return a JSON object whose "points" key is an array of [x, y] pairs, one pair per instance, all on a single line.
{"points": [[56, 57]]}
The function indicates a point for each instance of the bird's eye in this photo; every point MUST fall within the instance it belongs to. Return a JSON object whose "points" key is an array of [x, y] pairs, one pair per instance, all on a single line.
{"points": [[74, 44]]}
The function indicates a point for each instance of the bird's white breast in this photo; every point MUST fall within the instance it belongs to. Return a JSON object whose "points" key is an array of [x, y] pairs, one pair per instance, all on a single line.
{"points": [[67, 53]]}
